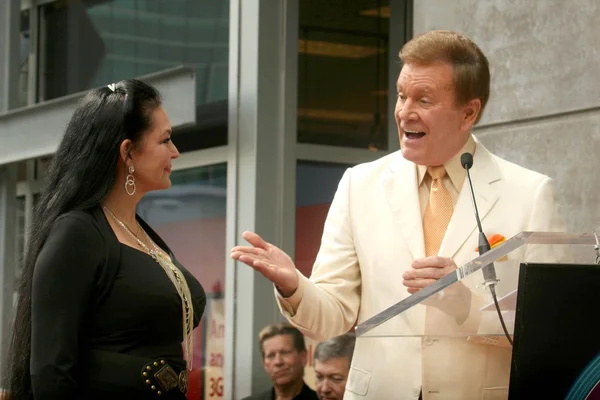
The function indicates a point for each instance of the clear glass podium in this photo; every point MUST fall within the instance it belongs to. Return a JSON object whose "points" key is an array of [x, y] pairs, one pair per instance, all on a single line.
{"points": [[547, 294]]}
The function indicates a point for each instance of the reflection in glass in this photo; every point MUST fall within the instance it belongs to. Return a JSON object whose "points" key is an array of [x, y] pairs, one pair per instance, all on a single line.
{"points": [[21, 236], [342, 73], [190, 217], [316, 184], [91, 43], [24, 58], [20, 242]]}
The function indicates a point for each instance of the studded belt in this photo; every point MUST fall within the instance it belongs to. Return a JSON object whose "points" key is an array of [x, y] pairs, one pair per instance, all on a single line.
{"points": [[135, 375], [161, 378]]}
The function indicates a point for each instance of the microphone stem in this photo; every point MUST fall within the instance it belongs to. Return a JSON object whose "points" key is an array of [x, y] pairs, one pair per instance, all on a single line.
{"points": [[489, 273], [474, 203]]}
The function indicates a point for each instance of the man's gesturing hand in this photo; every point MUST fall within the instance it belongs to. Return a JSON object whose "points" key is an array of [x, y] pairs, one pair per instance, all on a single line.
{"points": [[272, 262]]}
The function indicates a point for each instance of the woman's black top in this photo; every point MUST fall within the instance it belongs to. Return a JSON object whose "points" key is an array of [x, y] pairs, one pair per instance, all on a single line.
{"points": [[93, 294]]}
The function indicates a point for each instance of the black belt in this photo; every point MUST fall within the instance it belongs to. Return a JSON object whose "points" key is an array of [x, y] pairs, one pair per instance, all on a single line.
{"points": [[129, 373]]}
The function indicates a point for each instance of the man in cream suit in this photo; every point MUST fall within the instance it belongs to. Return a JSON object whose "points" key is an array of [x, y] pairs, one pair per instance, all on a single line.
{"points": [[400, 223]]}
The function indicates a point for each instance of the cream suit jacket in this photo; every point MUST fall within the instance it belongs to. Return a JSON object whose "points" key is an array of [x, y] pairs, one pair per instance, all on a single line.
{"points": [[372, 233]]}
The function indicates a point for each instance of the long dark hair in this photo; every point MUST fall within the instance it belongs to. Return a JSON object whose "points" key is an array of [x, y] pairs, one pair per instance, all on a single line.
{"points": [[81, 175]]}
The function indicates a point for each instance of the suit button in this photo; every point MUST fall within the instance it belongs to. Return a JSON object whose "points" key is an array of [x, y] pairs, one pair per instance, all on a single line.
{"points": [[428, 341], [416, 392]]}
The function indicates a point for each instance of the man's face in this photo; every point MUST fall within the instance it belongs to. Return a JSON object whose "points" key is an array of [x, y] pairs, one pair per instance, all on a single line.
{"points": [[330, 378], [283, 363], [431, 125]]}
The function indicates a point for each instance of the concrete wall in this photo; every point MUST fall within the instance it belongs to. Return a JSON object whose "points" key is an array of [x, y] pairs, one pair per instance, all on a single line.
{"points": [[544, 111]]}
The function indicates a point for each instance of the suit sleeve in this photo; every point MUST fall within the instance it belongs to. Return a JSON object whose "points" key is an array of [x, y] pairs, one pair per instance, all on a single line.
{"points": [[326, 305], [63, 282]]}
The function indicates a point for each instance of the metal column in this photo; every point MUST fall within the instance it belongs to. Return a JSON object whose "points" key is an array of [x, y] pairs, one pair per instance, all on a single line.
{"points": [[9, 96], [261, 172]]}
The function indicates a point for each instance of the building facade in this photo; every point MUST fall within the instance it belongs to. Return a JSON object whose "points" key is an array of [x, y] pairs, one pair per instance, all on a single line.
{"points": [[271, 100]]}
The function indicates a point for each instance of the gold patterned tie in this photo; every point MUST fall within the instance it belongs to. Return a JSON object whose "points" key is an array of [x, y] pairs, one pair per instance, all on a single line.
{"points": [[438, 212]]}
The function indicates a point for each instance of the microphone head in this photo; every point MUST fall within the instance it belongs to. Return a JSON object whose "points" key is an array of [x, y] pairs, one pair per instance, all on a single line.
{"points": [[466, 160]]}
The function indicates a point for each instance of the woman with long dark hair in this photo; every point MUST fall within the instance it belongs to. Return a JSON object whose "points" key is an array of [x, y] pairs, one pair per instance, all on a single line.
{"points": [[104, 308]]}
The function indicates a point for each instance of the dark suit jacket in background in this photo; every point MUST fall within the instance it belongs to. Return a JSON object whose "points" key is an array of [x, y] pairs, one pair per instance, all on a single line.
{"points": [[306, 394]]}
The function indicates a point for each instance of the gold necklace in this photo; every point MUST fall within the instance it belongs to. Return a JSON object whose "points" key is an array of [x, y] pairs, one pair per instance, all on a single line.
{"points": [[178, 281]]}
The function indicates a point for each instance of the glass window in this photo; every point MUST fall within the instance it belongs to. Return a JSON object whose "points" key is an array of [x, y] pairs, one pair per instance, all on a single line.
{"points": [[42, 166], [24, 58], [90, 43], [316, 184], [21, 232], [190, 217], [342, 73], [20, 242], [210, 129]]}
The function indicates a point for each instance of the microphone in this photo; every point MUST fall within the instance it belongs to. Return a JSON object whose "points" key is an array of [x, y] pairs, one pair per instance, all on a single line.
{"points": [[489, 272]]}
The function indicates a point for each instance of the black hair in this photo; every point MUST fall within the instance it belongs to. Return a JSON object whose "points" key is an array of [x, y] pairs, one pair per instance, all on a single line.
{"points": [[81, 175]]}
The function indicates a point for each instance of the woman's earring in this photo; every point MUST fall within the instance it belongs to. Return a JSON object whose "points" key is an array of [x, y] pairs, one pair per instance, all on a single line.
{"points": [[130, 182]]}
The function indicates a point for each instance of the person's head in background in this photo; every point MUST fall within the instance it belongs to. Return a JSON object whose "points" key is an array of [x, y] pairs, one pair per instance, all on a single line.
{"points": [[332, 365], [284, 355]]}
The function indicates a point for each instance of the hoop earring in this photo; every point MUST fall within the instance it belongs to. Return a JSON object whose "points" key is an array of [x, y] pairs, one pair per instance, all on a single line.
{"points": [[130, 182]]}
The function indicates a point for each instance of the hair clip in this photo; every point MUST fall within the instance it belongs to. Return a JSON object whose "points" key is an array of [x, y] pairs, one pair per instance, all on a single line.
{"points": [[112, 86]]}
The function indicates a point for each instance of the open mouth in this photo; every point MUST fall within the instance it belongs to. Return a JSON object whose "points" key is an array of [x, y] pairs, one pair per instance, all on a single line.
{"points": [[413, 134]]}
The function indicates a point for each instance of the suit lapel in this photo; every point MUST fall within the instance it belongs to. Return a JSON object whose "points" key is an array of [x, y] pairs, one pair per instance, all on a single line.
{"points": [[400, 184], [485, 176]]}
